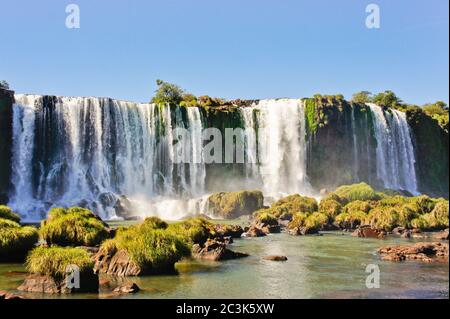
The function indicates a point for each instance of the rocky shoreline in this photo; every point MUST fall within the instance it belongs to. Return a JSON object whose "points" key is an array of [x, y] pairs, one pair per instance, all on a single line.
{"points": [[76, 236]]}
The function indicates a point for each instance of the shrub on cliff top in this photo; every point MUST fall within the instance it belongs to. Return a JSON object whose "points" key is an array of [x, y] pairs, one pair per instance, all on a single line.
{"points": [[153, 250], [16, 241], [54, 261], [7, 213], [73, 227], [362, 191]]}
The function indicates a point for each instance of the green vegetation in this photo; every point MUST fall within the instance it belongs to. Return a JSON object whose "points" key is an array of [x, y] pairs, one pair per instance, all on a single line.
{"points": [[387, 99], [193, 230], [439, 112], [330, 207], [16, 241], [7, 213], [265, 218], [362, 97], [287, 207], [167, 93], [362, 191], [308, 223], [54, 261], [350, 220], [73, 227], [235, 204], [153, 248]]}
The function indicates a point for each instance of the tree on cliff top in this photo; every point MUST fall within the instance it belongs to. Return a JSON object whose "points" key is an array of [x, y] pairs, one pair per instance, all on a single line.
{"points": [[167, 93], [387, 99], [362, 97], [4, 85]]}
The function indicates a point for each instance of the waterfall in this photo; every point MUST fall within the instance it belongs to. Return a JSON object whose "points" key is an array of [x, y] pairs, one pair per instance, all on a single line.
{"points": [[395, 157], [94, 151], [355, 144], [281, 144]]}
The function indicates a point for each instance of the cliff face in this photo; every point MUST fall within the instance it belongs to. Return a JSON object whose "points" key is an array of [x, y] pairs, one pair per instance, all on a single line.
{"points": [[431, 143], [6, 102], [343, 147]]}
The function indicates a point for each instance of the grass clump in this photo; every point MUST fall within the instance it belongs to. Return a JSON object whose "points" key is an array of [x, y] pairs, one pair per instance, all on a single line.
{"points": [[384, 218], [266, 218], [350, 220], [7, 213], [330, 207], [235, 204], [154, 250], [73, 227], [54, 261], [436, 220], [287, 207], [193, 230], [362, 191], [309, 223], [16, 241]]}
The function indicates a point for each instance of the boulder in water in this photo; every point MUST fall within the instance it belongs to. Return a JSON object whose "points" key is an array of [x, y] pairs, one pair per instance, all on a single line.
{"points": [[235, 204], [276, 258], [214, 250], [428, 252], [366, 231]]}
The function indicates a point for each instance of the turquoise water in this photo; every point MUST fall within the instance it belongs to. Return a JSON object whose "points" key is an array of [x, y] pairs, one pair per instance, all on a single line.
{"points": [[328, 266]]}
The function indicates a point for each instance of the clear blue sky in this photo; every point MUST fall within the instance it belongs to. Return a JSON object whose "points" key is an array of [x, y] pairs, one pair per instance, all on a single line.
{"points": [[231, 49]]}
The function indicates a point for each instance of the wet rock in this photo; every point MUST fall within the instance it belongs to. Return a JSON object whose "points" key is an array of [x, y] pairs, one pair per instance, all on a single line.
{"points": [[5, 295], [367, 231], [235, 204], [124, 209], [302, 231], [443, 235], [89, 283], [276, 258], [116, 263], [131, 288], [214, 250], [233, 231], [254, 231], [427, 252]]}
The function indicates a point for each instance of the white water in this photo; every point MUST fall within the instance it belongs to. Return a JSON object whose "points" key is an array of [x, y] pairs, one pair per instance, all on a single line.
{"points": [[395, 156], [281, 146], [103, 148]]}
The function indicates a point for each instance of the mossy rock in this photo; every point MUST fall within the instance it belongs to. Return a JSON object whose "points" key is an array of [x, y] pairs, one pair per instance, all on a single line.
{"points": [[304, 223], [73, 227], [350, 220], [193, 230], [50, 266], [150, 250], [7, 213], [330, 207], [287, 207], [358, 206], [362, 191], [16, 241], [235, 204], [438, 219], [265, 218]]}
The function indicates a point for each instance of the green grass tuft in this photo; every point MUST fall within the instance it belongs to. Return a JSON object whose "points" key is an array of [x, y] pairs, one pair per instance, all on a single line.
{"points": [[73, 227], [16, 241], [7, 213], [54, 261]]}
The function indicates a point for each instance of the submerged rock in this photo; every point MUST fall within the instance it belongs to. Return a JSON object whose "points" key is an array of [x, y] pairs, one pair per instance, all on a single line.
{"points": [[276, 258], [254, 231], [367, 231], [131, 288], [428, 252], [443, 235], [215, 251]]}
